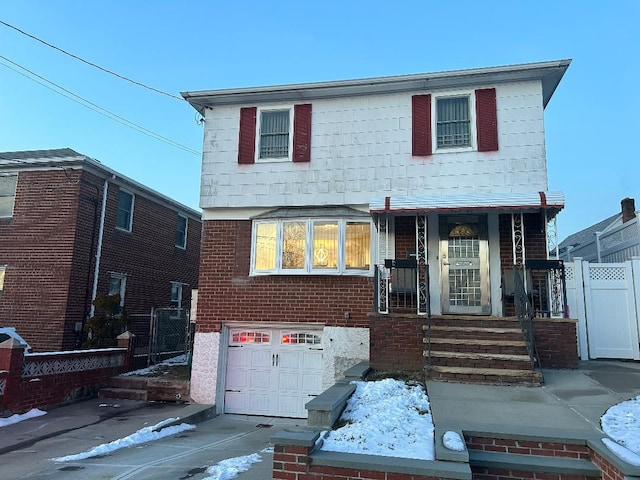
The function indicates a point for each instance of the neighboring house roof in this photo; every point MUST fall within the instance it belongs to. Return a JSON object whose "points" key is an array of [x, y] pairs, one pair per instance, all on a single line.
{"points": [[550, 73], [68, 158], [588, 234]]}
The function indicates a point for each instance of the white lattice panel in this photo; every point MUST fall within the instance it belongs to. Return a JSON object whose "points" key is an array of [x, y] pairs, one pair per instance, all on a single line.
{"points": [[52, 366], [3, 383], [569, 272], [607, 273]]}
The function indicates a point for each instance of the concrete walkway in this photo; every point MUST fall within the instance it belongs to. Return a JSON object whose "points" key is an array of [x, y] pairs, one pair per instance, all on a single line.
{"points": [[569, 404]]}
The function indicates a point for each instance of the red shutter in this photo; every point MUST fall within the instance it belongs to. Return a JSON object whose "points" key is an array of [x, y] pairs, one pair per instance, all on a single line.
{"points": [[487, 120], [247, 140], [421, 125], [302, 133]]}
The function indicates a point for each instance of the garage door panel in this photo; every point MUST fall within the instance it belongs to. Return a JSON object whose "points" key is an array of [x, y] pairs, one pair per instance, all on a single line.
{"points": [[312, 384], [289, 405], [261, 358], [259, 380], [289, 359], [289, 381], [312, 361], [237, 357], [237, 379]]}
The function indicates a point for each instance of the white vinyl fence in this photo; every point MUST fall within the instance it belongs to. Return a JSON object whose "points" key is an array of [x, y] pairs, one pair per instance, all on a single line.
{"points": [[605, 299]]}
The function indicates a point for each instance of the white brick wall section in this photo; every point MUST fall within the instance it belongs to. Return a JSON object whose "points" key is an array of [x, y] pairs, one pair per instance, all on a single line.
{"points": [[343, 347], [204, 368], [361, 148]]}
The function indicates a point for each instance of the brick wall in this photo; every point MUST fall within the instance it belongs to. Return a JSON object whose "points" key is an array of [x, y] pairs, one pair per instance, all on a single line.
{"points": [[556, 342], [49, 247], [396, 343], [608, 469], [226, 292]]}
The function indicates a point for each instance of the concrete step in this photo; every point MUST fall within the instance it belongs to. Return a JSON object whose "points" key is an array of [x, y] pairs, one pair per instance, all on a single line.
{"points": [[123, 393], [473, 321], [476, 332], [129, 382], [470, 345], [493, 376], [479, 360]]}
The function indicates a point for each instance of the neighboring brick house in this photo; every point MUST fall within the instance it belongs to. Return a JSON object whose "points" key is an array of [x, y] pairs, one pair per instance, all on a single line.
{"points": [[72, 230], [307, 189]]}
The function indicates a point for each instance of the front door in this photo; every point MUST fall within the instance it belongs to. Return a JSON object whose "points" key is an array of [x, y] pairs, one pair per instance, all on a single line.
{"points": [[464, 264]]}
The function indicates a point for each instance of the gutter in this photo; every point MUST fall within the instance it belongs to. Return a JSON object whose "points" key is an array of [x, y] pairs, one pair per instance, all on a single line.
{"points": [[96, 272]]}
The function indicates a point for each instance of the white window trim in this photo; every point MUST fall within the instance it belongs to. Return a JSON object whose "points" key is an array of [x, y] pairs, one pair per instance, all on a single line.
{"points": [[186, 230], [13, 205], [472, 122], [133, 202], [123, 285], [309, 270], [3, 274], [289, 157]]}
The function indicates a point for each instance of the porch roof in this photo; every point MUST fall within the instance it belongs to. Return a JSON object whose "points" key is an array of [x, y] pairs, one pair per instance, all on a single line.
{"points": [[551, 201]]}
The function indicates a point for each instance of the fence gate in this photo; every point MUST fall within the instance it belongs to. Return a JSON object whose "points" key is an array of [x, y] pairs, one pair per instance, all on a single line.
{"points": [[605, 300], [170, 333]]}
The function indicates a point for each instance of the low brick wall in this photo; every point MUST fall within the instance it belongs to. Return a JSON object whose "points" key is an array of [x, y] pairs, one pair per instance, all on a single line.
{"points": [[396, 343], [557, 342], [35, 380]]}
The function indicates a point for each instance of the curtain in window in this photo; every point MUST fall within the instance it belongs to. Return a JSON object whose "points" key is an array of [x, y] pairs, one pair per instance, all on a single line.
{"points": [[265, 246], [453, 122], [357, 247], [274, 134], [325, 245]]}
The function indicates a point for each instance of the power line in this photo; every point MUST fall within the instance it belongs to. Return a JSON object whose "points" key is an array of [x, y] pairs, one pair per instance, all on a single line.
{"points": [[92, 106], [122, 77]]}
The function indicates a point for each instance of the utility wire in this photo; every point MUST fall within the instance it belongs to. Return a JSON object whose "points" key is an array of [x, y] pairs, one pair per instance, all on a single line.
{"points": [[92, 106], [122, 77]]}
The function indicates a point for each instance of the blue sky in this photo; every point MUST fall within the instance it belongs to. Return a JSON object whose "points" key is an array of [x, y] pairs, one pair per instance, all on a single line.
{"points": [[591, 122]]}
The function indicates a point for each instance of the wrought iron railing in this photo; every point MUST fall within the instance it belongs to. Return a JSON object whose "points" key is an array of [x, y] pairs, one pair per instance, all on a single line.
{"points": [[525, 314]]}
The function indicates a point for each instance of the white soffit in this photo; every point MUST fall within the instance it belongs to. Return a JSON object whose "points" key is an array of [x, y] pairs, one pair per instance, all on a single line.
{"points": [[477, 201]]}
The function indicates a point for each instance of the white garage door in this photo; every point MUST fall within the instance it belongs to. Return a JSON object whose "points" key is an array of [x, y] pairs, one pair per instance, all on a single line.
{"points": [[273, 372]]}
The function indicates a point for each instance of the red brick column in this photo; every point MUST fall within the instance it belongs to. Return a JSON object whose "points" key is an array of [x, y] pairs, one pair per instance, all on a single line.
{"points": [[11, 361]]}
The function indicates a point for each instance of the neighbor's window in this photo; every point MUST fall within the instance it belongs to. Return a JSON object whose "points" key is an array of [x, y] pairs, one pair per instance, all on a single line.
{"points": [[176, 294], [7, 194], [117, 285], [3, 269], [125, 210], [320, 246], [453, 122], [181, 232], [274, 135]]}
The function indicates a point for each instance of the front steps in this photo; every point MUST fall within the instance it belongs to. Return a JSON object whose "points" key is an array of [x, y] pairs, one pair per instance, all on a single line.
{"points": [[478, 350], [146, 389]]}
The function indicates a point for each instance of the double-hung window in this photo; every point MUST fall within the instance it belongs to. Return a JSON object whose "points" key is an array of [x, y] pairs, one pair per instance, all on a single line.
{"points": [[311, 246], [181, 232], [124, 216], [275, 134], [118, 285], [8, 185], [453, 122]]}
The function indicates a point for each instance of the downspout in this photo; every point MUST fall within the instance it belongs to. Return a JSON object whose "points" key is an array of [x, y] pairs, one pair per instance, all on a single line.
{"points": [[96, 271]]}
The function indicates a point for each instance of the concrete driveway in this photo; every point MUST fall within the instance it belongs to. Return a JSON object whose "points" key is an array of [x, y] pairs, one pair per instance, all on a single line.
{"points": [[185, 456]]}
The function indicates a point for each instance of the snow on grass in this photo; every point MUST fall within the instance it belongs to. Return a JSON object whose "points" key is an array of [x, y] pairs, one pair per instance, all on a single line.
{"points": [[34, 412], [622, 423], [144, 435], [387, 417]]}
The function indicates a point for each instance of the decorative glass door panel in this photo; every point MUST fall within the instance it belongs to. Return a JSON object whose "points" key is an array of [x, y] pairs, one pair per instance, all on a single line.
{"points": [[464, 264]]}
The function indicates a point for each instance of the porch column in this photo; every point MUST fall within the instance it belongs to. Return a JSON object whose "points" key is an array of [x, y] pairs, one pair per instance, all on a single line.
{"points": [[382, 275]]}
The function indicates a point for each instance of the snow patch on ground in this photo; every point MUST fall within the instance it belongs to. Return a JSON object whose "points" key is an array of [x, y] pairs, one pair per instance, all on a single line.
{"points": [[179, 360], [388, 418], [231, 467], [19, 417], [144, 435]]}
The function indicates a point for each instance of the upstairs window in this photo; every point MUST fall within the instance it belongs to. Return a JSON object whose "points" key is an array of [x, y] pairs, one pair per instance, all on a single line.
{"points": [[453, 122], [125, 210], [7, 195], [311, 246], [274, 134], [181, 232]]}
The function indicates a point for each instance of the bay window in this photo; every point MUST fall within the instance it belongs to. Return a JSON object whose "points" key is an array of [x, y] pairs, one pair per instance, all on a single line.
{"points": [[311, 246]]}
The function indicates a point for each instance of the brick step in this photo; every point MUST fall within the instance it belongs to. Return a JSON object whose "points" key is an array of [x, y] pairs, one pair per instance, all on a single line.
{"points": [[123, 393], [466, 345], [480, 360], [493, 376], [487, 333]]}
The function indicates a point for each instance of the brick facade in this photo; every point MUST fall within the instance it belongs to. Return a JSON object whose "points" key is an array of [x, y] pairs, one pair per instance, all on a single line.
{"points": [[556, 342], [226, 292], [50, 245], [396, 343]]}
